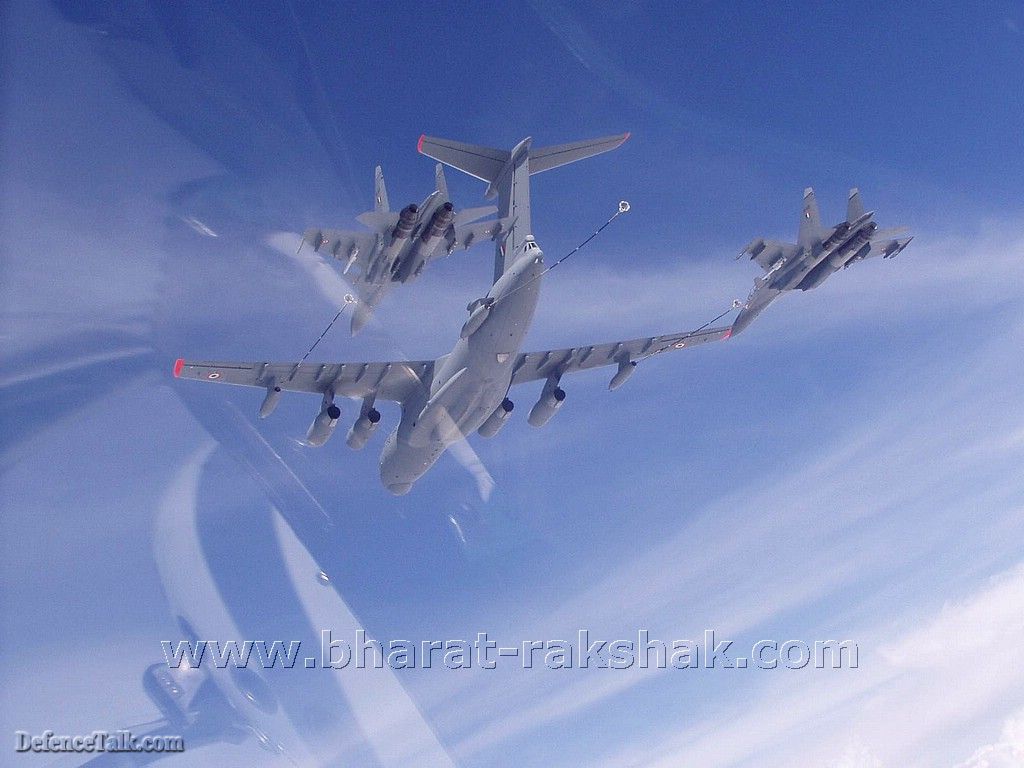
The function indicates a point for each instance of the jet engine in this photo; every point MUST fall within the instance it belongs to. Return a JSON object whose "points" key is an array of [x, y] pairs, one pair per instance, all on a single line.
{"points": [[399, 235], [363, 429], [551, 400], [425, 244], [323, 425], [406, 221], [496, 420], [270, 401], [626, 369]]}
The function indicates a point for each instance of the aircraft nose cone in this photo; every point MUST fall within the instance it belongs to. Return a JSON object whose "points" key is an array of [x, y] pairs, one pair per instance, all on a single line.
{"points": [[399, 489]]}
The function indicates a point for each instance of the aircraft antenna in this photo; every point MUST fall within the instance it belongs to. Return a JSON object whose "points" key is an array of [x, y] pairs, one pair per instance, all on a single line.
{"points": [[349, 299]]}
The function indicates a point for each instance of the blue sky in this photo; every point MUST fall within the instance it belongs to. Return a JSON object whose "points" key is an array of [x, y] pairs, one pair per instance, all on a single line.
{"points": [[850, 466]]}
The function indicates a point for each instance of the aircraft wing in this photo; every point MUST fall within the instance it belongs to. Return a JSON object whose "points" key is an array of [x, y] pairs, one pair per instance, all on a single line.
{"points": [[395, 381], [469, 235], [767, 252], [534, 366], [342, 245]]}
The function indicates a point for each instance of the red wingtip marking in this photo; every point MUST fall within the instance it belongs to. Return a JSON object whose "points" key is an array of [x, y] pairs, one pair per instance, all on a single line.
{"points": [[628, 134], [728, 333], [419, 144], [178, 365]]}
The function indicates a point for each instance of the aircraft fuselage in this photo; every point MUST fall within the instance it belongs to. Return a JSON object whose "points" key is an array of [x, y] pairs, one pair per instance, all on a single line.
{"points": [[470, 382], [838, 246]]}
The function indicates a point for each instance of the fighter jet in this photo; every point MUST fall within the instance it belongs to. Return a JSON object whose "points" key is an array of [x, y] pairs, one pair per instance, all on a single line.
{"points": [[399, 245], [466, 390], [818, 253]]}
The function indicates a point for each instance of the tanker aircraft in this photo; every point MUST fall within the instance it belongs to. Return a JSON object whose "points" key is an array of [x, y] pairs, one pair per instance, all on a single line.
{"points": [[466, 390]]}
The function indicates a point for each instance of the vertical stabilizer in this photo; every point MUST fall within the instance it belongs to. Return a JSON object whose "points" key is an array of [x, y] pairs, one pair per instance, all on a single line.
{"points": [[854, 208], [440, 184], [380, 192], [810, 222]]}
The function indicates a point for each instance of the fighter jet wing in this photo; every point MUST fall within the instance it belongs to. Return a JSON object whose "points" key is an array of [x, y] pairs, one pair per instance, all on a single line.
{"points": [[767, 252], [469, 235], [395, 381], [343, 245], [533, 366]]}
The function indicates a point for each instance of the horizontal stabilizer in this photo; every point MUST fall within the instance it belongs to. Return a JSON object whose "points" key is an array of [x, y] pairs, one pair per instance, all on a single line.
{"points": [[487, 164], [467, 215], [546, 158], [468, 235], [378, 220], [483, 163], [889, 232]]}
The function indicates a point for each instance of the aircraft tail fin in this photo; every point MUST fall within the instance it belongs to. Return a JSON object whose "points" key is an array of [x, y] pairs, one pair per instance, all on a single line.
{"points": [[854, 208], [440, 184], [810, 221], [380, 192]]}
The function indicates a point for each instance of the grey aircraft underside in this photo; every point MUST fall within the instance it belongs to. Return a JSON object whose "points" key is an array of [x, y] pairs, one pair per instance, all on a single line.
{"points": [[818, 253], [444, 400], [400, 244]]}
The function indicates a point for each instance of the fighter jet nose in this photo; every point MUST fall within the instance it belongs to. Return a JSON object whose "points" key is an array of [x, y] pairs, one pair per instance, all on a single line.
{"points": [[399, 489]]}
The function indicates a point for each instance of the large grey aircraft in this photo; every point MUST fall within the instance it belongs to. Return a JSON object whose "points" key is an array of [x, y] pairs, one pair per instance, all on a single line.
{"points": [[818, 253], [400, 244], [466, 390]]}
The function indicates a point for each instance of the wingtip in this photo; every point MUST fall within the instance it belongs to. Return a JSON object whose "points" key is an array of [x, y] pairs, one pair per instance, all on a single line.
{"points": [[626, 137], [727, 334], [419, 144], [178, 365]]}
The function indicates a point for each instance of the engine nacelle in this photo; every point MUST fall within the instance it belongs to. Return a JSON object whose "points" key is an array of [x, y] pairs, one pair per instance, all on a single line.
{"points": [[424, 246], [363, 429], [323, 426], [625, 371], [439, 223], [551, 400], [406, 221], [496, 420], [270, 401], [399, 236]]}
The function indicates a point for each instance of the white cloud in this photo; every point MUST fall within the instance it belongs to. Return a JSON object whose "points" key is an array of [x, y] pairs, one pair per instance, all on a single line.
{"points": [[1008, 752]]}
